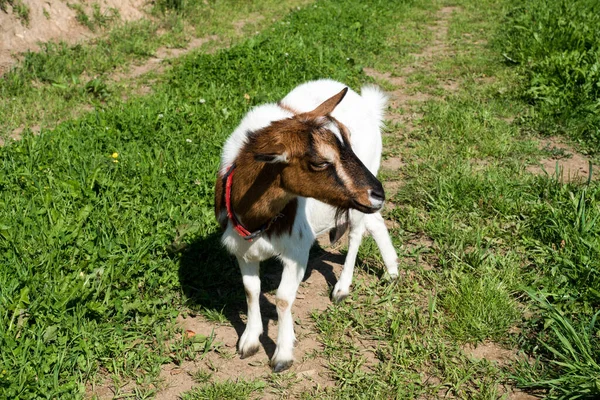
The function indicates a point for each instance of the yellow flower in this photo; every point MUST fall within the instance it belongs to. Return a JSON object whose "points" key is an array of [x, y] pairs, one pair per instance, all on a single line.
{"points": [[115, 155]]}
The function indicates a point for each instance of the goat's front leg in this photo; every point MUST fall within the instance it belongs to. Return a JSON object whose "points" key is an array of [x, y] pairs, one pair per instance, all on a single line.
{"points": [[249, 342], [293, 272]]}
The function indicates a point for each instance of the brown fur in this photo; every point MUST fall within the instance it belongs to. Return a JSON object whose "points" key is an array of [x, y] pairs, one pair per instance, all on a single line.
{"points": [[284, 222], [220, 201], [281, 304]]}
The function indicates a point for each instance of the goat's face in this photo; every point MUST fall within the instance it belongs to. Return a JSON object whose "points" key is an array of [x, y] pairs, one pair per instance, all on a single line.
{"points": [[315, 158]]}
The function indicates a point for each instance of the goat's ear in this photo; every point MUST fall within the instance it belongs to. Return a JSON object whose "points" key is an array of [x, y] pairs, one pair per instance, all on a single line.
{"points": [[329, 105], [270, 150], [272, 158]]}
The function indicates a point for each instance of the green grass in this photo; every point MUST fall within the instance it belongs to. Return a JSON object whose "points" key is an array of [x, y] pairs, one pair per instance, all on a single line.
{"points": [[54, 84], [573, 370], [555, 45], [107, 232], [79, 267]]}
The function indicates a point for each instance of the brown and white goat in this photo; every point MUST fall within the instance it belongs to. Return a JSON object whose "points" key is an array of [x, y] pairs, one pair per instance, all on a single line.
{"points": [[286, 172]]}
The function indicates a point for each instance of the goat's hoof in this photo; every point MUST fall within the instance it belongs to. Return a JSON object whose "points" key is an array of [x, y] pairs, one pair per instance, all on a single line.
{"points": [[390, 276], [248, 352], [338, 296], [280, 366]]}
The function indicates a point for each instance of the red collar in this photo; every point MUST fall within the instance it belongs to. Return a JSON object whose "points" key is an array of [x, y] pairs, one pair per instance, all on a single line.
{"points": [[237, 225]]}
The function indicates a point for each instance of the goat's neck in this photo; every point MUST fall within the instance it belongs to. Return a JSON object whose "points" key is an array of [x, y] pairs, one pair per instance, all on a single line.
{"points": [[256, 193]]}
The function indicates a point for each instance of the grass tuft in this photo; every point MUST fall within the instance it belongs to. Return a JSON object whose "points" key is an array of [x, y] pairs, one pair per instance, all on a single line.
{"points": [[572, 351]]}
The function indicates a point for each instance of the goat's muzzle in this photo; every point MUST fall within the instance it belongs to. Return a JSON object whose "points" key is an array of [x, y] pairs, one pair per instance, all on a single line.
{"points": [[376, 199]]}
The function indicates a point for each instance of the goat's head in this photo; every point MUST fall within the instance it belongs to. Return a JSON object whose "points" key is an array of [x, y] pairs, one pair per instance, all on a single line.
{"points": [[314, 158]]}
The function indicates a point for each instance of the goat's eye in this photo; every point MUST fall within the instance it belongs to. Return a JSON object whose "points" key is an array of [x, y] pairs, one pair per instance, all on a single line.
{"points": [[319, 165]]}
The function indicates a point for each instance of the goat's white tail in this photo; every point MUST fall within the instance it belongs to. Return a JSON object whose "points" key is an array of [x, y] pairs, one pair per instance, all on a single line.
{"points": [[376, 101]]}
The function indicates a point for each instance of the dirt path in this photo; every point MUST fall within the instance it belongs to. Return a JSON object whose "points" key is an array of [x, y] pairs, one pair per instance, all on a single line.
{"points": [[405, 102], [310, 369], [134, 77]]}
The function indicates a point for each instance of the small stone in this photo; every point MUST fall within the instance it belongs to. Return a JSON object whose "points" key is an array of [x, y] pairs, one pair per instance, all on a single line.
{"points": [[189, 333], [307, 374]]}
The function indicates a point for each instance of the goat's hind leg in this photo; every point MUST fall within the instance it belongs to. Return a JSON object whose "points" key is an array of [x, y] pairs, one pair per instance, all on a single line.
{"points": [[341, 290], [250, 341], [376, 227]]}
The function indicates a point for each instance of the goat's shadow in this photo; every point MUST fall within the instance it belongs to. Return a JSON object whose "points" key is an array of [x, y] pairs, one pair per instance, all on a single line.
{"points": [[211, 280]]}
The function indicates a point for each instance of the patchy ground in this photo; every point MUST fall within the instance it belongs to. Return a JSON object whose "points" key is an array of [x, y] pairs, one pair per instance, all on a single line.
{"points": [[134, 75], [563, 161], [54, 20], [309, 371]]}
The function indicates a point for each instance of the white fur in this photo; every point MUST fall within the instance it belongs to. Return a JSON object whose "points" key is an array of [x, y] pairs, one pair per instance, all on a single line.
{"points": [[362, 115], [259, 117]]}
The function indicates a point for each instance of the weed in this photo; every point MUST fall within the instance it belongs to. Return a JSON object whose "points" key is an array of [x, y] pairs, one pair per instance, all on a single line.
{"points": [[163, 6], [201, 376], [572, 353], [98, 18]]}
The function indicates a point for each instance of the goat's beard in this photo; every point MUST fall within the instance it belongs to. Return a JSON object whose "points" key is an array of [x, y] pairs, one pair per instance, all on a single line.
{"points": [[342, 220]]}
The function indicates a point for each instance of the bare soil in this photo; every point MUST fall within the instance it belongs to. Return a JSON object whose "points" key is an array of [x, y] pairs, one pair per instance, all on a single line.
{"points": [[490, 351], [54, 20], [568, 163], [225, 364]]}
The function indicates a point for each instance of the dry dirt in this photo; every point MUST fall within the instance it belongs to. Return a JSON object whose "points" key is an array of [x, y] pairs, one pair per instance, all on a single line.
{"points": [[310, 369], [225, 364], [53, 20], [571, 165], [490, 351]]}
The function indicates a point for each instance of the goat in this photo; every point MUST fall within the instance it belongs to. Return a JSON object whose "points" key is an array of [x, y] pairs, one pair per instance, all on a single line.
{"points": [[290, 172]]}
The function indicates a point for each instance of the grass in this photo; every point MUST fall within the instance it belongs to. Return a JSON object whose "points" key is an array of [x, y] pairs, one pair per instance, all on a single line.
{"points": [[54, 84], [239, 390], [573, 369], [108, 234], [555, 45]]}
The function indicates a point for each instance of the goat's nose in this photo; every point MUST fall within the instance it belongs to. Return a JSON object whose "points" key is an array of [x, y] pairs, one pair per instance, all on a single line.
{"points": [[377, 194]]}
